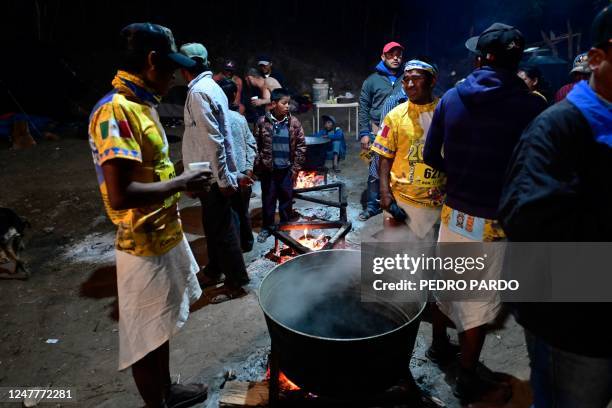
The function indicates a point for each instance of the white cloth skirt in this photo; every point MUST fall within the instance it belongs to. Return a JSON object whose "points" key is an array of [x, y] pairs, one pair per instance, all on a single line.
{"points": [[154, 297], [419, 224], [421, 220], [467, 315]]}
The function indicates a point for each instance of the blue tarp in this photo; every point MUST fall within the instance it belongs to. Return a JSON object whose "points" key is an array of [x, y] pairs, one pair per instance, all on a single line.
{"points": [[34, 122]]}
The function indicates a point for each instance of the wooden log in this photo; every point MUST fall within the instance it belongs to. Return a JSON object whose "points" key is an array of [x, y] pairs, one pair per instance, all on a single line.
{"points": [[317, 200], [289, 241], [241, 394]]}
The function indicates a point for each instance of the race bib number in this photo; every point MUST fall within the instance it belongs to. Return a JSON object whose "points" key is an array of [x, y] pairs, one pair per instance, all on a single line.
{"points": [[420, 174], [467, 225]]}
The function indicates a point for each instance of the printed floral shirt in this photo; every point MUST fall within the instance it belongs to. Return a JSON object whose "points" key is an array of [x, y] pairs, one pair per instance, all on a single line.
{"points": [[125, 125]]}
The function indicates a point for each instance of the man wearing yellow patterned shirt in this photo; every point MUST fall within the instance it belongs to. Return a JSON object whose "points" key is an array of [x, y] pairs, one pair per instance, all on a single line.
{"points": [[155, 267], [404, 178]]}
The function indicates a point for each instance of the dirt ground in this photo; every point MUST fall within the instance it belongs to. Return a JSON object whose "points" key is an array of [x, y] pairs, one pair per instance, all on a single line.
{"points": [[71, 295]]}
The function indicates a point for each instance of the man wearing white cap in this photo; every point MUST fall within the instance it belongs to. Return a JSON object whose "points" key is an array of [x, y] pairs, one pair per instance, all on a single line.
{"points": [[265, 66]]}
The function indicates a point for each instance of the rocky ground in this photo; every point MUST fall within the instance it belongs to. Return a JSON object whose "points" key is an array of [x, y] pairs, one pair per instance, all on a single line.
{"points": [[71, 295]]}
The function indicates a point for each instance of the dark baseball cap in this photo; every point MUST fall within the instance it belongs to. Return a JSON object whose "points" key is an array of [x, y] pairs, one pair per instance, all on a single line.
{"points": [[229, 65], [601, 30], [263, 59], [153, 37], [500, 40]]}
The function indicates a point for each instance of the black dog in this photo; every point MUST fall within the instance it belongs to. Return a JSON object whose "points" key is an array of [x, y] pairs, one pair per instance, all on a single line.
{"points": [[12, 229]]}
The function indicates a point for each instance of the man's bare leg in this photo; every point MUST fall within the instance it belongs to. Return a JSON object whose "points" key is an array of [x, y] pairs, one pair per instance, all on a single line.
{"points": [[442, 351], [439, 323], [152, 375], [470, 385], [471, 342]]}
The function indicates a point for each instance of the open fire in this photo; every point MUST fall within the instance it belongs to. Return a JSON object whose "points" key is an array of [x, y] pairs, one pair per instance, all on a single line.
{"points": [[289, 239], [285, 384], [307, 179], [282, 253], [312, 242]]}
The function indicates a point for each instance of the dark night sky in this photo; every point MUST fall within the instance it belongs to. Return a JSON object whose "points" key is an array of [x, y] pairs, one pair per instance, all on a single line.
{"points": [[47, 41]]}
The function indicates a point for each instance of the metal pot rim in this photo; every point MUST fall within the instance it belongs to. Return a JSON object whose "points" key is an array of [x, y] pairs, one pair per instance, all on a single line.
{"points": [[268, 315]]}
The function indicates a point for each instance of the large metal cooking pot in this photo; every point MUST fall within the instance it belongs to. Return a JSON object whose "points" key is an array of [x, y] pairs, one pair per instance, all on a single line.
{"points": [[316, 152], [328, 341]]}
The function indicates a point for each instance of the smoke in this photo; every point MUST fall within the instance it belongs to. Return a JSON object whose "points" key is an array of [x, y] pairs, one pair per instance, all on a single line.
{"points": [[319, 294]]}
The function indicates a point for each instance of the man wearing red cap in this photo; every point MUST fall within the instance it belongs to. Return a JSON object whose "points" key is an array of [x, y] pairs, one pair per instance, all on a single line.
{"points": [[375, 89]]}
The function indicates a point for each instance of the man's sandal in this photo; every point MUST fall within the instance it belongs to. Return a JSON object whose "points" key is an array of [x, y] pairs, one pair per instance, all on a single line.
{"points": [[225, 294]]}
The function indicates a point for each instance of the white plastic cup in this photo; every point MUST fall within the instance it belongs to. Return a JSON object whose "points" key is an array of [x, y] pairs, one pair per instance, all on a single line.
{"points": [[200, 166]]}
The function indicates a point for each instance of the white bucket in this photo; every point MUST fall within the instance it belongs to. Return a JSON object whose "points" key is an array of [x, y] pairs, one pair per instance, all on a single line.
{"points": [[320, 92]]}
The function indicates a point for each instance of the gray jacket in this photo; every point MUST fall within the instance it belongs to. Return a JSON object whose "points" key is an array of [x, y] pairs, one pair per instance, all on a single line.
{"points": [[245, 146], [374, 91], [207, 134]]}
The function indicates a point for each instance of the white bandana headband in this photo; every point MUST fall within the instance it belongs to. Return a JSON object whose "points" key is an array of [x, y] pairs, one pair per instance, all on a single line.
{"points": [[424, 66]]}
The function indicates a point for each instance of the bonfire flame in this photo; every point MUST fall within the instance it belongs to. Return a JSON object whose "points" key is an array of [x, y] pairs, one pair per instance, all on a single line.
{"points": [[312, 242], [309, 179]]}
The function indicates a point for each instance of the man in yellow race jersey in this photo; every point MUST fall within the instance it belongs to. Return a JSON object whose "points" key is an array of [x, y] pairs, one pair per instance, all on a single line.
{"points": [[405, 180], [155, 267]]}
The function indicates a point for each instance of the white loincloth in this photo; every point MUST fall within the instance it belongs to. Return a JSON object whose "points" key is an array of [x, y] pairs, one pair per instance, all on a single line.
{"points": [[154, 297], [420, 222], [470, 314]]}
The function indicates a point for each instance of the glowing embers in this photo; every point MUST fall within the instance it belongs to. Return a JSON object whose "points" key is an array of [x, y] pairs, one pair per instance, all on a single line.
{"points": [[312, 242], [284, 383]]}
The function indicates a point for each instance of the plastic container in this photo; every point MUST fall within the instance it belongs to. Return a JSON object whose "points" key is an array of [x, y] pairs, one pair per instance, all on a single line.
{"points": [[320, 92]]}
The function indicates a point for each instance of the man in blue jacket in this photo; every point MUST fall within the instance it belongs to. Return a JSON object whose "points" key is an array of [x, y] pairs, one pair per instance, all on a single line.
{"points": [[479, 123], [557, 189], [374, 91]]}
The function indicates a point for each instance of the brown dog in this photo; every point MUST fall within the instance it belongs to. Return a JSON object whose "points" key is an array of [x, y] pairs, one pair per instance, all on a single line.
{"points": [[12, 228]]}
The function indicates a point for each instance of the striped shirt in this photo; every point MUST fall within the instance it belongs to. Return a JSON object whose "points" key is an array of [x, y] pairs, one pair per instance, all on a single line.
{"points": [[280, 143], [392, 101]]}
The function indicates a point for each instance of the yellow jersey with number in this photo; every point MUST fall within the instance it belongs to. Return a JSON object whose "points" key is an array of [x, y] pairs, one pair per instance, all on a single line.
{"points": [[125, 125], [402, 138]]}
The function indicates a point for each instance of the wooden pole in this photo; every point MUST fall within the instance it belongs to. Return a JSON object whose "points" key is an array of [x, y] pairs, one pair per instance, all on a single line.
{"points": [[570, 39]]}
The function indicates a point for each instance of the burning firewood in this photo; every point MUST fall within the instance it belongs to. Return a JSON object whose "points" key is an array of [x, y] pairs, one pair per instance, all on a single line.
{"points": [[307, 179]]}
